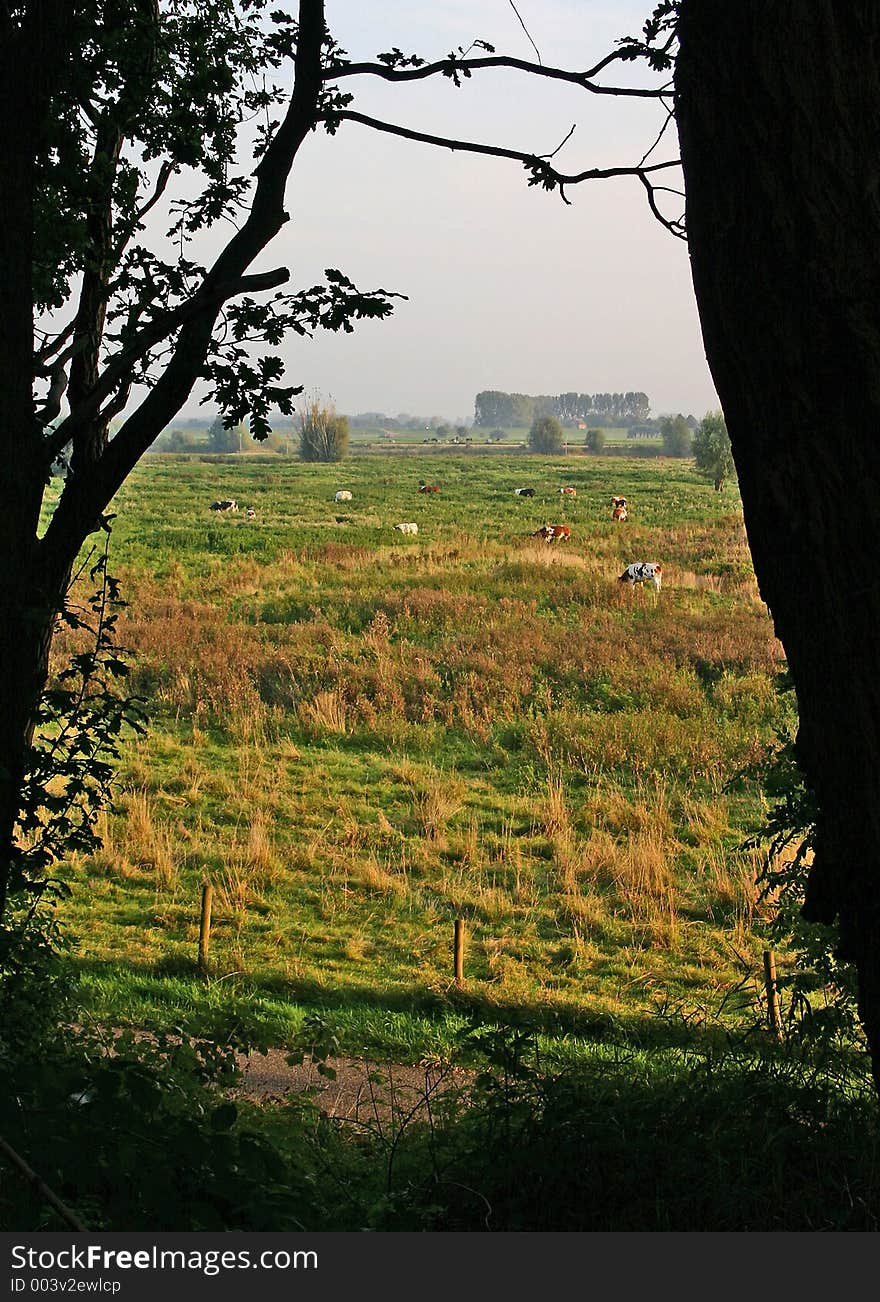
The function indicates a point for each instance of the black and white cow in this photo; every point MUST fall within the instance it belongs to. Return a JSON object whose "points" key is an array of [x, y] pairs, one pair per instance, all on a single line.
{"points": [[649, 572]]}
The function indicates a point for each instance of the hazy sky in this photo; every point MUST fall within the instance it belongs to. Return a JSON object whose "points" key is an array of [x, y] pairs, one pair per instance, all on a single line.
{"points": [[507, 287]]}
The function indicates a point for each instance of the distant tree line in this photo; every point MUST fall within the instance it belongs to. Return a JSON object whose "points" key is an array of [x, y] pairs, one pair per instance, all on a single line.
{"points": [[493, 407], [199, 437], [403, 421], [653, 426]]}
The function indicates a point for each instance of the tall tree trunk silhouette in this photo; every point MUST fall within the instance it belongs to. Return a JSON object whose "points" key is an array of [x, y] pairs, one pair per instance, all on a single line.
{"points": [[778, 109]]}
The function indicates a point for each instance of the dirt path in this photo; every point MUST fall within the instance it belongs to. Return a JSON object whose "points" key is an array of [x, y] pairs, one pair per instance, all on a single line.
{"points": [[363, 1092]]}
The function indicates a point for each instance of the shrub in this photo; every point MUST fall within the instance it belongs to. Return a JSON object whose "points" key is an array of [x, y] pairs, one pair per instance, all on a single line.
{"points": [[545, 435], [712, 452], [323, 435], [595, 440], [822, 988], [677, 438]]}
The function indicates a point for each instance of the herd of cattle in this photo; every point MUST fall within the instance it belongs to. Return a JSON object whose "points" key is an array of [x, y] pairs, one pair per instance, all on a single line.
{"points": [[647, 572]]}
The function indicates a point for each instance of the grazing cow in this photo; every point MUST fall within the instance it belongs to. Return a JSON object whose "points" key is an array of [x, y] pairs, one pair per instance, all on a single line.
{"points": [[643, 572], [251, 513], [524, 492], [568, 491], [553, 533], [228, 504], [343, 495], [429, 488], [409, 527], [619, 511]]}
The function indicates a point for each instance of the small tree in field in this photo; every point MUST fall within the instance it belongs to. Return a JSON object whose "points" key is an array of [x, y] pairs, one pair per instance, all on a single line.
{"points": [[677, 437], [595, 440], [545, 435], [323, 435], [712, 451]]}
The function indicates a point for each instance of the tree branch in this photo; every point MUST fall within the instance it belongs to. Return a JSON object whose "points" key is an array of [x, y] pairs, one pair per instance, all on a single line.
{"points": [[43, 1191], [85, 496], [536, 161], [42, 355], [526, 30], [58, 384], [111, 130], [166, 171], [676, 225], [162, 328], [464, 67]]}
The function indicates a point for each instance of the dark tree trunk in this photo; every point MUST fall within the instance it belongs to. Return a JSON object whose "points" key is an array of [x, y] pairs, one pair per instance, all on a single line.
{"points": [[28, 58], [37, 43], [778, 108]]}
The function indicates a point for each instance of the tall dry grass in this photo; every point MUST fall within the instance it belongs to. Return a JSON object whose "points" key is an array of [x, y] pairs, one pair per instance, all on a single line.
{"points": [[138, 841], [326, 712], [436, 797]]}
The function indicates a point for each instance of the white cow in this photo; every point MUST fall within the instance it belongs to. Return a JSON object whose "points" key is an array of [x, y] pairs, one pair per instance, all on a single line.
{"points": [[409, 527], [343, 495]]}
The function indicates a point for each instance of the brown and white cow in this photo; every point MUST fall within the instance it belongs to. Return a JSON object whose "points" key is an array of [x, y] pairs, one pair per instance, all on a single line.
{"points": [[429, 488], [569, 491], [553, 533], [619, 508]]}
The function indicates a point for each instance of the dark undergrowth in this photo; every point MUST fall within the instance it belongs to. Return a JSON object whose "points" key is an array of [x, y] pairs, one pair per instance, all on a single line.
{"points": [[138, 1132], [641, 1142]]}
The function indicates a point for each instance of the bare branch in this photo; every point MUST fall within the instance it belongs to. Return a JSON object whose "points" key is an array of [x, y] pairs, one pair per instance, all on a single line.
{"points": [[42, 355], [563, 141], [526, 30], [166, 171], [117, 404], [670, 116], [465, 66], [675, 226], [57, 387], [537, 161]]}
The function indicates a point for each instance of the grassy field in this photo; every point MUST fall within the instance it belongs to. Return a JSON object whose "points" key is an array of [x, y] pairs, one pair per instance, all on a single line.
{"points": [[358, 736]]}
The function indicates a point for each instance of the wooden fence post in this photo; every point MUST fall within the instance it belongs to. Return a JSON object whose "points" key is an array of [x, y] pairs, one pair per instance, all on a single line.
{"points": [[205, 927], [774, 1015], [459, 951]]}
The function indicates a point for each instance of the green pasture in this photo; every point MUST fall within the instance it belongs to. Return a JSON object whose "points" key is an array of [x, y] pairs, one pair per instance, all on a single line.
{"points": [[358, 736]]}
